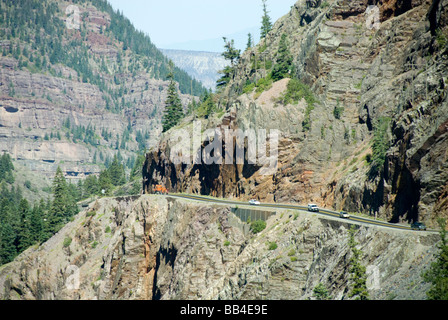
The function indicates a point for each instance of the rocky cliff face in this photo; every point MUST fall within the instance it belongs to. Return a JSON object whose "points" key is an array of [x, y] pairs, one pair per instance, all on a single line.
{"points": [[153, 247], [390, 71], [100, 82]]}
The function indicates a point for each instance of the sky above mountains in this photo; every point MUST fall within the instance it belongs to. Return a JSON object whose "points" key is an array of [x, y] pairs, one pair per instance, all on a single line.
{"points": [[199, 25]]}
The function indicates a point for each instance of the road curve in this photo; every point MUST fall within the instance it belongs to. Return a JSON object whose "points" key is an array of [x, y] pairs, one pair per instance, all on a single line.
{"points": [[325, 212]]}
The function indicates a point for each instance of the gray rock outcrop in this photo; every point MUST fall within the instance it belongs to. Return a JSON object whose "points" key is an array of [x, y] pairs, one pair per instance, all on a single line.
{"points": [[152, 247]]}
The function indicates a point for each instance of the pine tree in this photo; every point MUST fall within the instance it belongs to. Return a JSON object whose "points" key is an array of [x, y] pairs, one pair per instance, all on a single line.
{"points": [[284, 60], [37, 223], [91, 186], [6, 168], [63, 206], [266, 24], [136, 172], [357, 270], [321, 293], [232, 55], [116, 173], [58, 207], [250, 41], [25, 236], [437, 274], [8, 250], [173, 113], [104, 183]]}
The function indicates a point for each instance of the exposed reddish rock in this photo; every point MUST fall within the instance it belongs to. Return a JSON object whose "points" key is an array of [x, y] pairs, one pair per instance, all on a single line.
{"points": [[372, 74]]}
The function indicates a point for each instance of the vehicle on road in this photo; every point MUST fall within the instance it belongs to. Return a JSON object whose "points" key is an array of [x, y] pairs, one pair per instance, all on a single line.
{"points": [[418, 226], [159, 189], [254, 202], [344, 215], [313, 208]]}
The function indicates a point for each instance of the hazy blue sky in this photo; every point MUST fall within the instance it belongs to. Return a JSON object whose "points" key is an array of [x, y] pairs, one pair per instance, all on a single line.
{"points": [[171, 22]]}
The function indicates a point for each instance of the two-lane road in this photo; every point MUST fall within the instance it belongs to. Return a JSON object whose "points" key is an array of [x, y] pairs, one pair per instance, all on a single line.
{"points": [[330, 213]]}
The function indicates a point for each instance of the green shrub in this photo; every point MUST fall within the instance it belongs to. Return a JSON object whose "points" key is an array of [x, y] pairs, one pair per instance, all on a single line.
{"points": [[28, 184], [249, 88], [338, 111], [272, 246], [380, 145], [321, 293], [207, 106], [296, 91], [258, 226], [441, 38], [368, 158], [91, 214], [306, 124], [264, 84], [67, 242]]}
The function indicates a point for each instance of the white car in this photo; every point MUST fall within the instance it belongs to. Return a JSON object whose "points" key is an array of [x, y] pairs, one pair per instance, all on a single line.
{"points": [[344, 215], [254, 202], [313, 208]]}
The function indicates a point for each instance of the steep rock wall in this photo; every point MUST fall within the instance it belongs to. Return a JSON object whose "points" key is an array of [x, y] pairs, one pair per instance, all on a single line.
{"points": [[152, 247], [395, 74]]}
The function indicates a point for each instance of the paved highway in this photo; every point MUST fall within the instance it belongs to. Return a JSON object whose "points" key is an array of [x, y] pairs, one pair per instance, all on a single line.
{"points": [[325, 212]]}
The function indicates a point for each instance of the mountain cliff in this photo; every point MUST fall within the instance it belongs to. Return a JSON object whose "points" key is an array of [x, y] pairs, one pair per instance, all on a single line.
{"points": [[362, 113], [362, 116], [138, 248], [79, 84]]}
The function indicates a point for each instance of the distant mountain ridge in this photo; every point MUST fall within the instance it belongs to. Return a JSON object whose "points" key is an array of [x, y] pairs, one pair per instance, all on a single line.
{"points": [[217, 44], [203, 66], [76, 97]]}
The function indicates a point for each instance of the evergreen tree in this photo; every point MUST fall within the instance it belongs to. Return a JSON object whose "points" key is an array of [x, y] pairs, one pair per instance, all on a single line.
{"points": [[37, 222], [6, 169], [63, 206], [232, 55], [104, 183], [116, 173], [380, 145], [91, 186], [266, 24], [357, 270], [58, 207], [8, 250], [136, 172], [437, 275], [284, 60], [250, 41], [173, 113], [321, 293], [25, 237]]}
